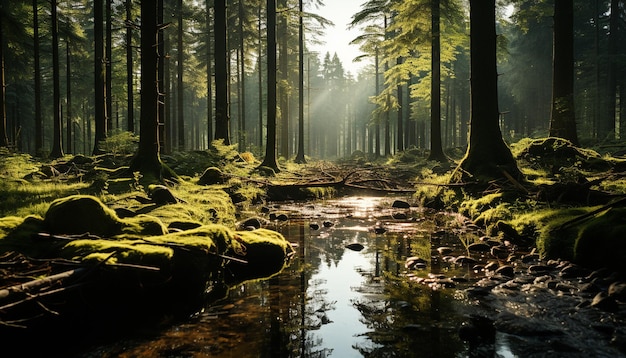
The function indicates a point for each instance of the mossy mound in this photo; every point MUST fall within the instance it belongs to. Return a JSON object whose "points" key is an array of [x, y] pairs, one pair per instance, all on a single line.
{"points": [[557, 152], [597, 241], [601, 242], [212, 175], [265, 252]]}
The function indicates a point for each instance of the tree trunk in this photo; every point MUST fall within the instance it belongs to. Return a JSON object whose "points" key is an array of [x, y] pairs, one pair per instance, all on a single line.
{"points": [[242, 81], [57, 147], [270, 145], [108, 63], [487, 157], [4, 140], [163, 79], [400, 124], [179, 83], [209, 76], [130, 115], [563, 120], [300, 155], [37, 89], [284, 80], [68, 129], [260, 82], [147, 161], [436, 147], [99, 92], [222, 117], [613, 73]]}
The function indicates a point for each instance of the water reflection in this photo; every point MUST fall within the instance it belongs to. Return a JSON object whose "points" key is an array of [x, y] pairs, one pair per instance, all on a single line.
{"points": [[331, 301]]}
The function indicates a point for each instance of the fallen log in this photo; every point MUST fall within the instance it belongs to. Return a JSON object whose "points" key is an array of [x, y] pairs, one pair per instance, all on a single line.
{"points": [[42, 282]]}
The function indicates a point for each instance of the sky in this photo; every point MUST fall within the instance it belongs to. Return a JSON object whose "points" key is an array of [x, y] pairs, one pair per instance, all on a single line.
{"points": [[337, 39]]}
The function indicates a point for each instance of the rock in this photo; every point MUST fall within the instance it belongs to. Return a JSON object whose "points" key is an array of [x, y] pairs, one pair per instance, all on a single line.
{"points": [[254, 222], [327, 223], [573, 271], [538, 269], [492, 266], [355, 246], [415, 263], [399, 216], [506, 270], [282, 217], [161, 195], [400, 204], [314, 226], [500, 252], [265, 209], [479, 247], [379, 230], [212, 175], [604, 302], [465, 261], [444, 250], [617, 290]]}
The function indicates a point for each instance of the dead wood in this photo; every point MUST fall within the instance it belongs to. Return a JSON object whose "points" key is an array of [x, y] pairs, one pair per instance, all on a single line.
{"points": [[590, 214], [40, 283]]}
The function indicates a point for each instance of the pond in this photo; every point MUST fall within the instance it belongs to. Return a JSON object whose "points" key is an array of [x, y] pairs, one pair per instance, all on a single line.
{"points": [[350, 292]]}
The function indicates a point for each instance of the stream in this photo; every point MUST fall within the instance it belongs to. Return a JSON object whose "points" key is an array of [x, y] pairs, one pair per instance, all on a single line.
{"points": [[351, 292]]}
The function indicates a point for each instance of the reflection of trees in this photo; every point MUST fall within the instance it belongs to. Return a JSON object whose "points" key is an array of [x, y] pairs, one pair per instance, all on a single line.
{"points": [[410, 319]]}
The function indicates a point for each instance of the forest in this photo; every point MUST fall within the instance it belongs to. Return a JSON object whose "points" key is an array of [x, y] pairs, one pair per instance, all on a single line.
{"points": [[67, 73], [138, 136]]}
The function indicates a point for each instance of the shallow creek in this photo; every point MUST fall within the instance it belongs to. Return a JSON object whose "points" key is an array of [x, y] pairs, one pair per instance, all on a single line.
{"points": [[334, 301]]}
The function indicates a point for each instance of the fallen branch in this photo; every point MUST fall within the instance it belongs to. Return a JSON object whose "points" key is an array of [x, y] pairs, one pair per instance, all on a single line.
{"points": [[580, 218], [36, 284]]}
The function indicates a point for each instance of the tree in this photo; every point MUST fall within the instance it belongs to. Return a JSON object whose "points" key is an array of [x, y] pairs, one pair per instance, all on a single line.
{"points": [[99, 80], [180, 83], [4, 140], [436, 145], [222, 115], [300, 154], [487, 157], [147, 161], [57, 147], [37, 84], [108, 74], [562, 119], [270, 145], [130, 116]]}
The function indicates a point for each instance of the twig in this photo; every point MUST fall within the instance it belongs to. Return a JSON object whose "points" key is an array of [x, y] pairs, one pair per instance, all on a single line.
{"points": [[590, 214]]}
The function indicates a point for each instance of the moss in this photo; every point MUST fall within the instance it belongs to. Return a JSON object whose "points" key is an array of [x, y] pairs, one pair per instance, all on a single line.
{"points": [[212, 175], [79, 214], [265, 252], [471, 207], [601, 241], [544, 226]]}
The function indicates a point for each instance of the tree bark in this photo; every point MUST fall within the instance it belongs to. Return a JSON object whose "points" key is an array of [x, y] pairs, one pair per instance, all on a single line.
{"points": [[179, 83], [436, 146], [487, 157], [99, 72], [209, 75], [270, 145], [37, 89], [130, 100], [147, 160], [4, 140], [222, 115], [300, 155], [108, 69], [563, 120], [68, 75], [57, 147], [283, 69]]}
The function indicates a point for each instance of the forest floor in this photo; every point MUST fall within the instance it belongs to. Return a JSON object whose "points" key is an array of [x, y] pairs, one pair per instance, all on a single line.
{"points": [[570, 205]]}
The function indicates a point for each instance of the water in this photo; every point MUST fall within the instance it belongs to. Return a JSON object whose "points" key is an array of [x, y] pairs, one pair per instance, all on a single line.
{"points": [[335, 302]]}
